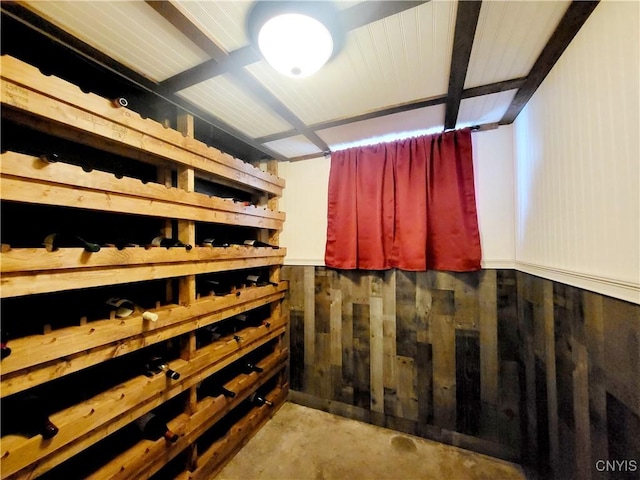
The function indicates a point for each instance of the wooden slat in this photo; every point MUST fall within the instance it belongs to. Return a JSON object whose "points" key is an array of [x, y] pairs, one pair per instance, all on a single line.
{"points": [[335, 334], [222, 450], [84, 424], [29, 283], [550, 361], [389, 343], [565, 367], [622, 327], [38, 359], [594, 326], [376, 349], [468, 402], [361, 354], [443, 336], [526, 330], [24, 88], [26, 191], [147, 456], [346, 286], [406, 382], [30, 180], [24, 260], [488, 318], [309, 317]]}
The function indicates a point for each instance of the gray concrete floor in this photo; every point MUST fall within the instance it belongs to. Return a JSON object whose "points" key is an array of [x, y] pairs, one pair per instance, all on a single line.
{"points": [[301, 443]]}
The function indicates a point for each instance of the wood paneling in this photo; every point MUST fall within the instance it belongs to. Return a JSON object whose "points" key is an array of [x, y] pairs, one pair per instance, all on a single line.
{"points": [[501, 362], [412, 349]]}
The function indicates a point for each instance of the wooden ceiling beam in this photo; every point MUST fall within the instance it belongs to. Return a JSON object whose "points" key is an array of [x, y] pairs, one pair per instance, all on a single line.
{"points": [[222, 62], [572, 21], [466, 23], [365, 13], [171, 13], [351, 18], [219, 64], [250, 83], [488, 89], [209, 69]]}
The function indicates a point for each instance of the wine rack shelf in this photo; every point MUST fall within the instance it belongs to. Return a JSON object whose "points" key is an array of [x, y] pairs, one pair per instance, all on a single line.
{"points": [[239, 434], [91, 270], [39, 358], [142, 460], [53, 105], [74, 351], [33, 180]]}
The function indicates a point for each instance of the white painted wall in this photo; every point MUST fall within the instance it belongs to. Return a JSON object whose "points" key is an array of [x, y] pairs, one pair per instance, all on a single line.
{"points": [[578, 161], [305, 202], [557, 193], [493, 171]]}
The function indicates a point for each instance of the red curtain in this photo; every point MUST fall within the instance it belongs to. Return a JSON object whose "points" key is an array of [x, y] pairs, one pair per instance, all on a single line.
{"points": [[409, 205]]}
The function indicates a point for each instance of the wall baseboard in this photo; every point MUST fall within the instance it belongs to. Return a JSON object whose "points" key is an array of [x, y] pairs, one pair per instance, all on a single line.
{"points": [[623, 290], [611, 287]]}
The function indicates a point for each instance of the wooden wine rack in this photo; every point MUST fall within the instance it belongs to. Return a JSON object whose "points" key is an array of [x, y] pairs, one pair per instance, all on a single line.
{"points": [[55, 107]]}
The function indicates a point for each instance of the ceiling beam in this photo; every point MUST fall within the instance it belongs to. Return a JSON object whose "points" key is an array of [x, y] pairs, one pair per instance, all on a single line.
{"points": [[351, 18], [492, 88], [221, 62], [466, 23], [209, 69], [405, 107], [365, 13], [249, 82], [572, 21], [181, 22], [171, 13]]}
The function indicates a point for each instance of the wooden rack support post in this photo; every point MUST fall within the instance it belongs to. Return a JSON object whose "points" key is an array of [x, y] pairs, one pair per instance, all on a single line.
{"points": [[187, 284]]}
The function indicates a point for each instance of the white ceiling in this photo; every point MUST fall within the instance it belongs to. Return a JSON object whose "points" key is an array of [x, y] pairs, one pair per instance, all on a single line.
{"points": [[392, 62]]}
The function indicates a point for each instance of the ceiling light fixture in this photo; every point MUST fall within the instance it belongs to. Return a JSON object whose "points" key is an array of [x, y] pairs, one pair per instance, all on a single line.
{"points": [[295, 37]]}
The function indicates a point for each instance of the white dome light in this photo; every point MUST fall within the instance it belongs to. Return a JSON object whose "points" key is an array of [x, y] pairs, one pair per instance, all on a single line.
{"points": [[296, 45]]}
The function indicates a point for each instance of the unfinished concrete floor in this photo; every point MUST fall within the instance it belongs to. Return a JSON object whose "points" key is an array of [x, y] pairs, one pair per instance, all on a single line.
{"points": [[301, 443]]}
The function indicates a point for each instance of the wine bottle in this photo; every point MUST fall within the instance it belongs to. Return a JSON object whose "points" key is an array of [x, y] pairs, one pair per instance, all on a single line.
{"points": [[162, 241], [124, 308], [5, 351], [121, 244], [153, 428], [158, 364], [221, 286], [241, 317], [120, 102], [249, 367], [50, 157], [259, 281], [258, 243], [209, 388], [28, 414], [213, 242], [258, 400], [207, 335], [54, 241]]}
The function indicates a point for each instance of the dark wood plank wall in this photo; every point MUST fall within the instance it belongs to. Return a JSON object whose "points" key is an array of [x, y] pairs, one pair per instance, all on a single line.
{"points": [[496, 361]]}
